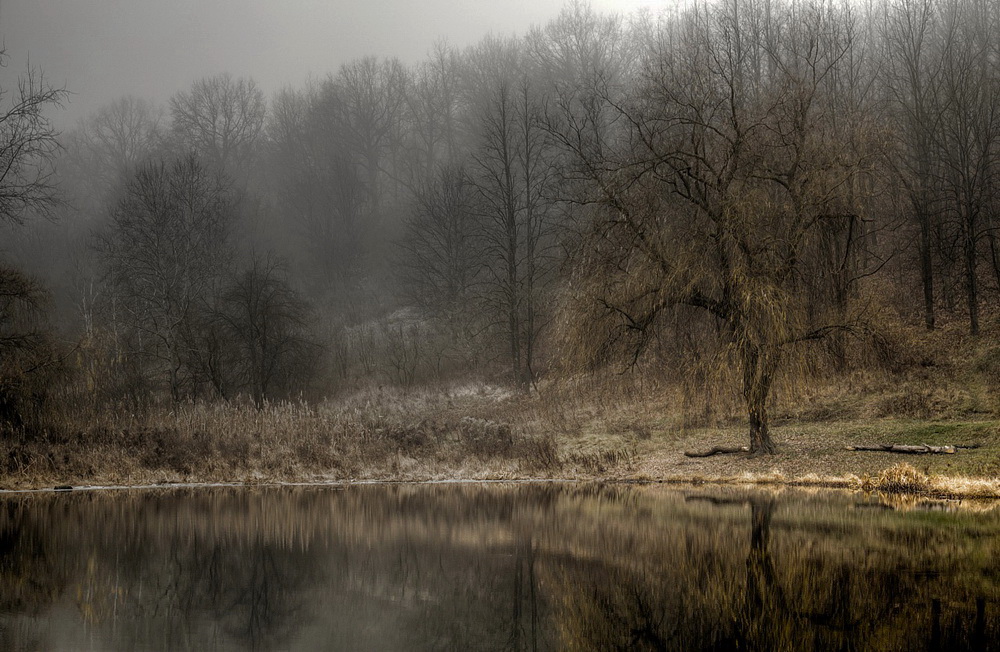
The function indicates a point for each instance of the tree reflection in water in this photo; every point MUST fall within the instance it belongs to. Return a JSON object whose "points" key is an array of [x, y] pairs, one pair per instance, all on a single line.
{"points": [[492, 567]]}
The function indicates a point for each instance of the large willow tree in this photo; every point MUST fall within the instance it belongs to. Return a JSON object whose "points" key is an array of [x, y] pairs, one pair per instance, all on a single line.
{"points": [[741, 155]]}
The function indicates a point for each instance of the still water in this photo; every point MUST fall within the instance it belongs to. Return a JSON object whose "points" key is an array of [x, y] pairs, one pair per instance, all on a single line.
{"points": [[467, 567]]}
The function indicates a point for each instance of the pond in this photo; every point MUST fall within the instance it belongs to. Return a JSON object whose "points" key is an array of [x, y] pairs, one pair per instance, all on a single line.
{"points": [[508, 566]]}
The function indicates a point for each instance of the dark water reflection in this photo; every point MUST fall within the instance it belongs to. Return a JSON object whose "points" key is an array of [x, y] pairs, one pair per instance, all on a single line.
{"points": [[494, 567]]}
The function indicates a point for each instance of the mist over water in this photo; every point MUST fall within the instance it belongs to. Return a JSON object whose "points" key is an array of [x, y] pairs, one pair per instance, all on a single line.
{"points": [[491, 567]]}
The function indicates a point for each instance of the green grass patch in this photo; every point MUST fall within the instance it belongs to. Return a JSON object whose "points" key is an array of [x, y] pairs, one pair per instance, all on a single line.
{"points": [[935, 433], [942, 433]]}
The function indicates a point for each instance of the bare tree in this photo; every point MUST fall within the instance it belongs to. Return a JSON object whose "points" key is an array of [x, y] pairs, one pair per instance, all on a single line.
{"points": [[321, 183], [165, 253], [442, 258], [23, 342], [27, 146], [969, 131], [513, 172], [580, 46], [371, 96], [118, 138], [333, 207], [912, 76], [432, 110], [265, 319], [220, 119]]}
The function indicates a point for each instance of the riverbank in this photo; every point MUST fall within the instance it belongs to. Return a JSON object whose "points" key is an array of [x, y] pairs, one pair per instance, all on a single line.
{"points": [[899, 480], [485, 433]]}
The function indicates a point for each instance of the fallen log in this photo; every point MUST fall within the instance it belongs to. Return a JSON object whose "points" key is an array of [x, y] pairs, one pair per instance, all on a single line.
{"points": [[718, 450], [918, 449]]}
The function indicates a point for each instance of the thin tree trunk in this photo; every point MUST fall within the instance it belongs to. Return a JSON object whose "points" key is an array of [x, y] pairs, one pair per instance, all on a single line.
{"points": [[946, 258], [515, 343], [971, 284], [926, 267]]}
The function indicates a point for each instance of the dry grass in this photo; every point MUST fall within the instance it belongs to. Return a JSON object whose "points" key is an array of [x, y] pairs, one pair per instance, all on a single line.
{"points": [[898, 479], [905, 479], [612, 426], [479, 432], [370, 435]]}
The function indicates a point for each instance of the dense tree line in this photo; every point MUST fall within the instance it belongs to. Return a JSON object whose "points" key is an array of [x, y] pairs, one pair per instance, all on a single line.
{"points": [[741, 179]]}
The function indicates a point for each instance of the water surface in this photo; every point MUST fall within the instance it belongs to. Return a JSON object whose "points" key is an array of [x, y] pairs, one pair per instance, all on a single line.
{"points": [[519, 567]]}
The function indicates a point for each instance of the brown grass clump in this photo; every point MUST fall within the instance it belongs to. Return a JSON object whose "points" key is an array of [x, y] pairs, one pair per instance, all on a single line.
{"points": [[900, 478], [985, 488], [905, 479], [602, 462]]}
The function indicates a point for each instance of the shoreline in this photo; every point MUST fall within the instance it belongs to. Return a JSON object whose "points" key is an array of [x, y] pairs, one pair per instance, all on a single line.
{"points": [[918, 486], [434, 437]]}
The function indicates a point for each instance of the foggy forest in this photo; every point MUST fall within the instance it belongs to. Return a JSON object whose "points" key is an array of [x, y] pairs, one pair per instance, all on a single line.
{"points": [[536, 254]]}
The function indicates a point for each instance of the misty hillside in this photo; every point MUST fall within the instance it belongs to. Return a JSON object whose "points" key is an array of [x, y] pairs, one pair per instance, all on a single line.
{"points": [[731, 204]]}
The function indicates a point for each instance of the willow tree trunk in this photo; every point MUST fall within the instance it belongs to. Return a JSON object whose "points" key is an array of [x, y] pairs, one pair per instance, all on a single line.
{"points": [[758, 376], [765, 609]]}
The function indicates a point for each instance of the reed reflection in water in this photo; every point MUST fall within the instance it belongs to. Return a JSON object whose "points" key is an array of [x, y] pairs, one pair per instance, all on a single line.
{"points": [[519, 567]]}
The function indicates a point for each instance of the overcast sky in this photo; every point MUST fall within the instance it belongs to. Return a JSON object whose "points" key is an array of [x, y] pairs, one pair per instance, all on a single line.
{"points": [[102, 49]]}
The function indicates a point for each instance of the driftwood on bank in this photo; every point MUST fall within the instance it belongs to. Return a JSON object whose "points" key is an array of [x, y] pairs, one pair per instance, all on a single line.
{"points": [[917, 449], [718, 450]]}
